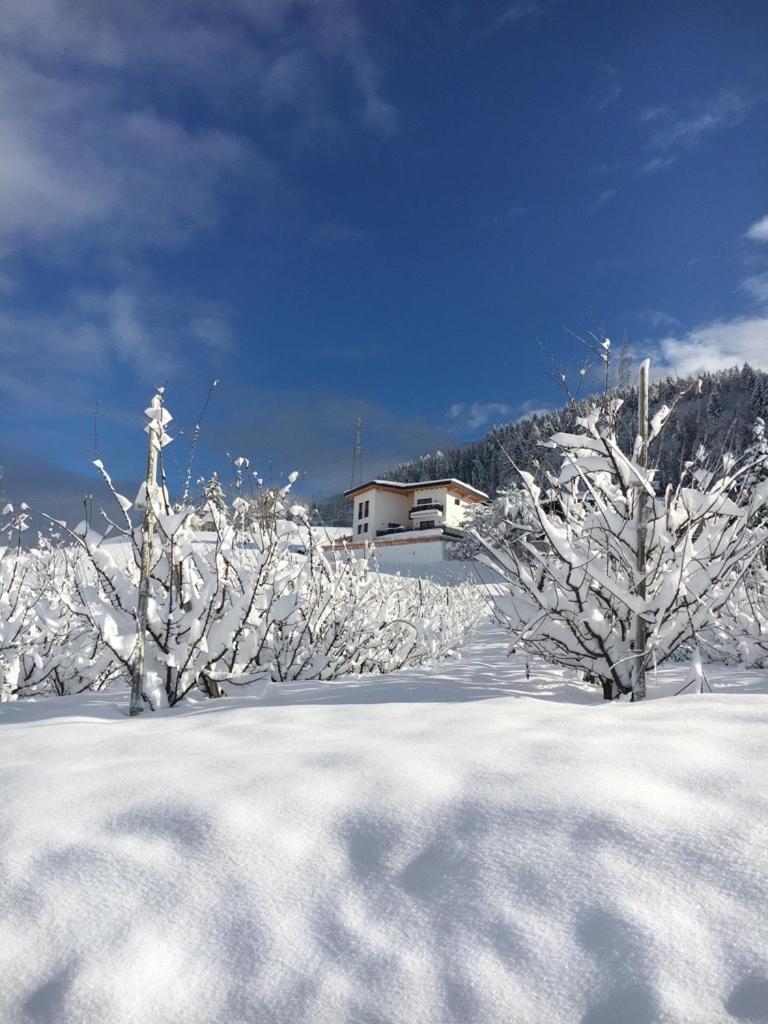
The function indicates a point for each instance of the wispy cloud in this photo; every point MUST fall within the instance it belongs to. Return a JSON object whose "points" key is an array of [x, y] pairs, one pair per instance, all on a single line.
{"points": [[609, 90], [518, 13], [657, 318], [86, 154], [520, 10], [757, 287], [758, 232], [656, 163], [124, 175], [477, 414], [508, 215], [474, 415], [212, 326], [603, 168], [671, 129], [531, 408], [604, 198], [95, 331]]}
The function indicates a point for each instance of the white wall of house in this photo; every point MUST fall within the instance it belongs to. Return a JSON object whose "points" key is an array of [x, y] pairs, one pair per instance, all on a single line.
{"points": [[392, 557], [456, 509], [384, 507], [361, 523], [388, 507]]}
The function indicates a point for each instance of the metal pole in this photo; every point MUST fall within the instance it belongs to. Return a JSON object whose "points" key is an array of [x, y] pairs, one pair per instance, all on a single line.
{"points": [[641, 627], [147, 530]]}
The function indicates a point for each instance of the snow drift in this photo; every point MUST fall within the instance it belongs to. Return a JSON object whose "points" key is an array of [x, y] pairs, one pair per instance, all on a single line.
{"points": [[454, 845]]}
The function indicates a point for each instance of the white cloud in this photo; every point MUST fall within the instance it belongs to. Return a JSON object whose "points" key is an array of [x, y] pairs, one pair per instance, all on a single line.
{"points": [[518, 13], [610, 88], [658, 318], [650, 114], [473, 415], [657, 163], [758, 232], [123, 328], [76, 159], [85, 148], [508, 215], [757, 286], [532, 410], [671, 129], [477, 414], [520, 10], [714, 346], [213, 329], [606, 196]]}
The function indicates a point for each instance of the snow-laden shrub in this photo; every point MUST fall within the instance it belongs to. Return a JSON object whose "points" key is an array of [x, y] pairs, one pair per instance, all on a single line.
{"points": [[230, 598], [352, 619], [32, 612], [740, 632], [575, 589], [225, 607]]}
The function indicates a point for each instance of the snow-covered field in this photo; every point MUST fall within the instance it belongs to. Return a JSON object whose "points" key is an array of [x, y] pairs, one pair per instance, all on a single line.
{"points": [[453, 845]]}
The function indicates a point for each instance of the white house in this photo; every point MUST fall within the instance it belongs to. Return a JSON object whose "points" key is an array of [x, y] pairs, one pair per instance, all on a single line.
{"points": [[420, 519]]}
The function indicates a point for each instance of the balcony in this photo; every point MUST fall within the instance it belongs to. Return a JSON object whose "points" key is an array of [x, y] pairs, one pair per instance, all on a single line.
{"points": [[417, 510]]}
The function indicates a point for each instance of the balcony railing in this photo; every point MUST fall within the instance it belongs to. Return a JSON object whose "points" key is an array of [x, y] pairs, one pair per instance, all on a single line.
{"points": [[447, 531], [432, 507]]}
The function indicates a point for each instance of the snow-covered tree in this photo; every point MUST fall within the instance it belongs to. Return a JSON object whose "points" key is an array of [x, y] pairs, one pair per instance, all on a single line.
{"points": [[575, 589], [502, 521]]}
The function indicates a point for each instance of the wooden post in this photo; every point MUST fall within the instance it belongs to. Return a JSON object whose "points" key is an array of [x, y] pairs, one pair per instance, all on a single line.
{"points": [[641, 627], [154, 430]]}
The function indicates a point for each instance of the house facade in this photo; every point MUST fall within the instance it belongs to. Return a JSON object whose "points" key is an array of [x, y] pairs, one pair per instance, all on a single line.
{"points": [[391, 514]]}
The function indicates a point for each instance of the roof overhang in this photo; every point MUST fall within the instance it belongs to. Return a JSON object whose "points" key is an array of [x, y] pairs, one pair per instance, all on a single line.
{"points": [[396, 487]]}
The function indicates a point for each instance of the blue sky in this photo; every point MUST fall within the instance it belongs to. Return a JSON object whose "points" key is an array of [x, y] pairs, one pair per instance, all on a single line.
{"points": [[378, 206]]}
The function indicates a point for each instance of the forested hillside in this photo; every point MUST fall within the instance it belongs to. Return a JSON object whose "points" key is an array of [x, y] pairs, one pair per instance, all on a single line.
{"points": [[719, 414]]}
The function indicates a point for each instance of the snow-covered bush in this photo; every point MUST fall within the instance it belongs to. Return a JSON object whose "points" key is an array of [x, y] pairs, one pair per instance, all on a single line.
{"points": [[740, 632], [32, 612], [575, 589], [351, 619], [230, 596]]}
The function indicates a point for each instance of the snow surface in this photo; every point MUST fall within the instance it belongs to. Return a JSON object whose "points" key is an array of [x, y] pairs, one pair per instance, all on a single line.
{"points": [[439, 846]]}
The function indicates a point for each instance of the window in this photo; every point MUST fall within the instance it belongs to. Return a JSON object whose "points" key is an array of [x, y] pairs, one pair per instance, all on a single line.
{"points": [[423, 501], [365, 527], [427, 524], [456, 501], [367, 506], [359, 529], [360, 510], [393, 526]]}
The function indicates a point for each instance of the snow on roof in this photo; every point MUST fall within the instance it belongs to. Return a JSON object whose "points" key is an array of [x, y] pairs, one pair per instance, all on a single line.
{"points": [[416, 485]]}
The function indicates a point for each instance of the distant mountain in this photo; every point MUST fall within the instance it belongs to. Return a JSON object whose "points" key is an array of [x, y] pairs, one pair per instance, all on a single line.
{"points": [[720, 415]]}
